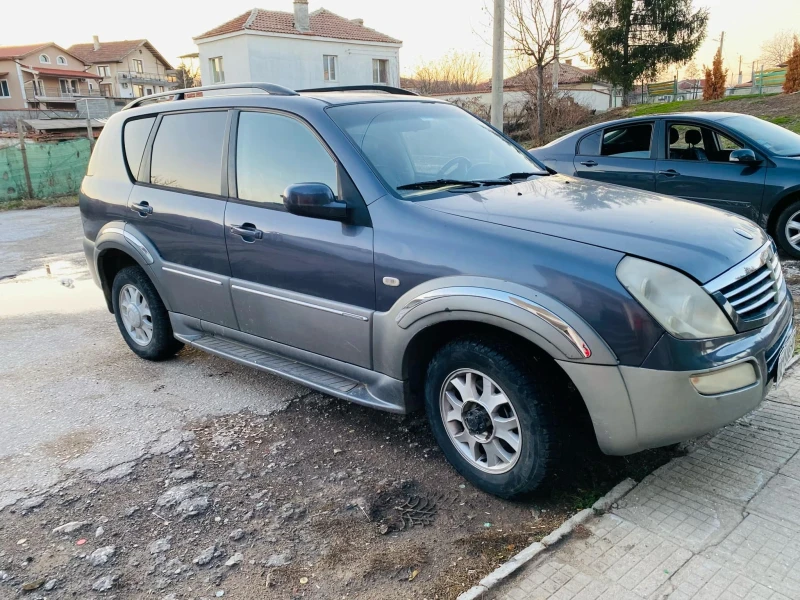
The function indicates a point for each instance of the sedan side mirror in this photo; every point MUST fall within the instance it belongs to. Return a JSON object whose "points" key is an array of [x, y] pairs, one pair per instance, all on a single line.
{"points": [[314, 200], [744, 155]]}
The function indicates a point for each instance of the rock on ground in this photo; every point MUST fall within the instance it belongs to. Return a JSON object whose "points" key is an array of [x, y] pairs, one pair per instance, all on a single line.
{"points": [[100, 556]]}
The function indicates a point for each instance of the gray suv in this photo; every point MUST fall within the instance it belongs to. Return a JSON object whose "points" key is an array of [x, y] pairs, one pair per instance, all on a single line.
{"points": [[396, 251]]}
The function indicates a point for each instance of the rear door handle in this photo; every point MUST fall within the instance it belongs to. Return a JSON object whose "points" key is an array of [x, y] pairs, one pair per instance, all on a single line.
{"points": [[143, 208], [247, 230], [669, 173], [589, 163]]}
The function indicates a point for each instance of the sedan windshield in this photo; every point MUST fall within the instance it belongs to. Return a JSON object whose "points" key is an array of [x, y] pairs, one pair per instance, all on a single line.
{"points": [[771, 137], [420, 148]]}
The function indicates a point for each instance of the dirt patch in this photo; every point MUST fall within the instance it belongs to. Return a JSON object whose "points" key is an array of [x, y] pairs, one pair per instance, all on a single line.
{"points": [[323, 500]]}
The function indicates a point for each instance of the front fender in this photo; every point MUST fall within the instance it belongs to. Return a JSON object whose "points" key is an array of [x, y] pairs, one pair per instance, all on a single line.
{"points": [[553, 327]]}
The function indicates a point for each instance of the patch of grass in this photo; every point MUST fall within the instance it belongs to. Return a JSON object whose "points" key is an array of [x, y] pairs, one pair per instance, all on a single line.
{"points": [[792, 123], [60, 201], [688, 105]]}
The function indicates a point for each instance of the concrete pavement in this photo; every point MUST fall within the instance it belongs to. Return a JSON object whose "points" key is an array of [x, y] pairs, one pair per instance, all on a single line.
{"points": [[722, 523]]}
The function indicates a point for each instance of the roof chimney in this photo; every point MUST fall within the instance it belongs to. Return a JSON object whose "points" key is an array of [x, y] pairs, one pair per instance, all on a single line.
{"points": [[301, 22], [358, 21], [568, 62], [96, 41]]}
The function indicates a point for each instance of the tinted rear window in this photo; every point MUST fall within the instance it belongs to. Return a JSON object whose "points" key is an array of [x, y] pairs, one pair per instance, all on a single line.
{"points": [[187, 152], [135, 137]]}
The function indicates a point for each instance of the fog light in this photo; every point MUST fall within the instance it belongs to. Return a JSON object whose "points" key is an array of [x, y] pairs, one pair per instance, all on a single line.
{"points": [[725, 380]]}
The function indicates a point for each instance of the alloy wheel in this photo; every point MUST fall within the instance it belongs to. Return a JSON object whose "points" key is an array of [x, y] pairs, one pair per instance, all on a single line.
{"points": [[135, 314], [793, 230], [481, 421]]}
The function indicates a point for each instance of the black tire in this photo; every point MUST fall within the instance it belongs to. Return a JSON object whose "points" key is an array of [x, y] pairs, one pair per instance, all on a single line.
{"points": [[162, 344], [780, 229], [528, 389]]}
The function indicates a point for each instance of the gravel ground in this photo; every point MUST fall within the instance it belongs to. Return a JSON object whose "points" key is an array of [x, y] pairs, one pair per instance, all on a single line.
{"points": [[196, 478]]}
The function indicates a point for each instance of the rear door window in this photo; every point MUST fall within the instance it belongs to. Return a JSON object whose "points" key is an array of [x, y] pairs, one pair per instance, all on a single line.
{"points": [[590, 145], [629, 141], [187, 152], [135, 137]]}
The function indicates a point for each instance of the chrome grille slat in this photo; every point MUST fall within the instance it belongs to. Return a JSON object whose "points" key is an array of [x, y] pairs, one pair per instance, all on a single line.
{"points": [[752, 291], [748, 285], [739, 301], [760, 302]]}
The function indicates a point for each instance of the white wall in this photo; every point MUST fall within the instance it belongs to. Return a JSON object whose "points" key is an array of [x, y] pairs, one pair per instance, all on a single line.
{"points": [[295, 63], [235, 59], [513, 101]]}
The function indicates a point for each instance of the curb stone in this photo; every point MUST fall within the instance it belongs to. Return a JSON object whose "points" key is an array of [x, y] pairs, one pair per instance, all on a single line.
{"points": [[504, 571]]}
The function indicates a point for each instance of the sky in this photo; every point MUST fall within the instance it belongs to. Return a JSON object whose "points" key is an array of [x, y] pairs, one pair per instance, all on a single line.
{"points": [[428, 28]]}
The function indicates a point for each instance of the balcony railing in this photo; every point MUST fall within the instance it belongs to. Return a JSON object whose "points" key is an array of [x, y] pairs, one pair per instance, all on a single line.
{"points": [[164, 79], [54, 93]]}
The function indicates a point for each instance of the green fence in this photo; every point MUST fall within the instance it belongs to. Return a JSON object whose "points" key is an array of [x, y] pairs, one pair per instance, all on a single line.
{"points": [[56, 168]]}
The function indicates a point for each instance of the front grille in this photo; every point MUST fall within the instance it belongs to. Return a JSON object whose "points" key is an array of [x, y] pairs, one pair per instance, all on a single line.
{"points": [[752, 291]]}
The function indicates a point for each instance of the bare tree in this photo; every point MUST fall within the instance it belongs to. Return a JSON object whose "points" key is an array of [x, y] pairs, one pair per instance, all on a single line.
{"points": [[777, 49], [454, 72], [543, 32]]}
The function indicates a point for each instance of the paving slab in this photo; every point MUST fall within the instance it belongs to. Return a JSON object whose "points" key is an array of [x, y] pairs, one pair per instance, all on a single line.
{"points": [[722, 523]]}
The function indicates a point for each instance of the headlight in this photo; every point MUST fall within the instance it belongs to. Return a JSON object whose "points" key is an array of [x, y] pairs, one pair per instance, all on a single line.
{"points": [[682, 307]]}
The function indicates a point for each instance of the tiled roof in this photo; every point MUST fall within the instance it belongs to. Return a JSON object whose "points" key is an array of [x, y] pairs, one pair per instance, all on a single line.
{"points": [[323, 23], [112, 51], [63, 72], [7, 52], [566, 74]]}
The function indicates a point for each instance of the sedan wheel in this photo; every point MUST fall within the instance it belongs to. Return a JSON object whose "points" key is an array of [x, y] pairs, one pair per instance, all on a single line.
{"points": [[792, 231]]}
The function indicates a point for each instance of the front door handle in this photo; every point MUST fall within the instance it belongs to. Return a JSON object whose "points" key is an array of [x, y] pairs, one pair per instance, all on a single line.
{"points": [[247, 230], [143, 208], [669, 173], [589, 163]]}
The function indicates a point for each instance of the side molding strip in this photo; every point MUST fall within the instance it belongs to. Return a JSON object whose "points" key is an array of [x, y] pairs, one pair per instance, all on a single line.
{"points": [[185, 274], [535, 309], [300, 303]]}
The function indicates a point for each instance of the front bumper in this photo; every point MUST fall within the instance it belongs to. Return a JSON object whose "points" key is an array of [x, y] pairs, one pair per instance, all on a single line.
{"points": [[635, 408]]}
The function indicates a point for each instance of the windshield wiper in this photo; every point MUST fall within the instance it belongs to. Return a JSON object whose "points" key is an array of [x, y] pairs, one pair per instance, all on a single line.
{"points": [[437, 183], [523, 175]]}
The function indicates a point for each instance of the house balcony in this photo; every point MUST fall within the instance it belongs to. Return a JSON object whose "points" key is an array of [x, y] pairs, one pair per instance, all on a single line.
{"points": [[146, 78], [54, 92]]}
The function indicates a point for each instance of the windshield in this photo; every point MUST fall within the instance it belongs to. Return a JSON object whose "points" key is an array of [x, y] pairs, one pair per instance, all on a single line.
{"points": [[771, 137], [420, 148]]}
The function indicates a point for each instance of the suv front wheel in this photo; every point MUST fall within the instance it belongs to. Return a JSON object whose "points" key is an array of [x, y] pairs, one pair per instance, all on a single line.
{"points": [[141, 316], [788, 230], [491, 415]]}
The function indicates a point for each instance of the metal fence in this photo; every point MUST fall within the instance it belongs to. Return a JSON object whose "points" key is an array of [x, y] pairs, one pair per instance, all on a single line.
{"points": [[54, 168]]}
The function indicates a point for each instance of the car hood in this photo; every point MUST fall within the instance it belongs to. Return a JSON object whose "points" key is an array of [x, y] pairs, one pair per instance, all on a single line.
{"points": [[696, 239]]}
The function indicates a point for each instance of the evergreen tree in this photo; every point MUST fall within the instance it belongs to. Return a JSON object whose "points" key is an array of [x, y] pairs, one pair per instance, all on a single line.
{"points": [[635, 39], [715, 79], [792, 83]]}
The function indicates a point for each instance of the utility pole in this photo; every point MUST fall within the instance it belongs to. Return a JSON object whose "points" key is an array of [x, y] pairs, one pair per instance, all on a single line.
{"points": [[740, 70], [498, 51], [721, 41], [89, 132], [557, 45]]}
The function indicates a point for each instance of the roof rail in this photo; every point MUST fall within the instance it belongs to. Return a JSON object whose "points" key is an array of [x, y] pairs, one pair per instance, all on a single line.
{"points": [[270, 88], [364, 88]]}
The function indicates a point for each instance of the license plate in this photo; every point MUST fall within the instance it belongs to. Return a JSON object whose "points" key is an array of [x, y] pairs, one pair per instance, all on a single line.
{"points": [[785, 357]]}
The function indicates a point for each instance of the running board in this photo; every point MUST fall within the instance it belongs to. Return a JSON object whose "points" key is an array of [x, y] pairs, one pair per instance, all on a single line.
{"points": [[307, 375]]}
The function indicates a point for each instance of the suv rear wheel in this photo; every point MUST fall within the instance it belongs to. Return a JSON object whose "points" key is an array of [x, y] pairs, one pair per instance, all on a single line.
{"points": [[788, 229], [141, 315], [491, 415]]}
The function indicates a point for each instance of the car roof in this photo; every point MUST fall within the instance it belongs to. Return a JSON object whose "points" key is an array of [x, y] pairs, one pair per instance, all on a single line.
{"points": [[358, 97]]}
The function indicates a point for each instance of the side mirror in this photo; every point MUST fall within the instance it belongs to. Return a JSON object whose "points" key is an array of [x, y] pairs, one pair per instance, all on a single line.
{"points": [[314, 200], [744, 155]]}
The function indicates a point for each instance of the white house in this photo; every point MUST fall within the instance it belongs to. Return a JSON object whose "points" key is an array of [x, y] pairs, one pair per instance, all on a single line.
{"points": [[298, 50]]}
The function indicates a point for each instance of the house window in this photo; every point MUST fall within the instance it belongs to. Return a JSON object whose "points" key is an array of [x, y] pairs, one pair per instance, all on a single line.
{"points": [[138, 91], [68, 87], [4, 93], [44, 59], [60, 60], [38, 87], [329, 67], [138, 66], [104, 71], [380, 70], [217, 72]]}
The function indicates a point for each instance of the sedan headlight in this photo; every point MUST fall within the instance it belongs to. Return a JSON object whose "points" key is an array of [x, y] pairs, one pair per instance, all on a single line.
{"points": [[682, 307]]}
